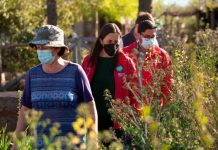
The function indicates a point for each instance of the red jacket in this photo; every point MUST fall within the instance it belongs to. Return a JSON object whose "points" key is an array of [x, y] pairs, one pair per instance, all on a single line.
{"points": [[156, 59], [128, 68]]}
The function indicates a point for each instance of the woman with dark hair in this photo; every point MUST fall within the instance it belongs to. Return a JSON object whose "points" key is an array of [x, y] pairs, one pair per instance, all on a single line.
{"points": [[106, 66]]}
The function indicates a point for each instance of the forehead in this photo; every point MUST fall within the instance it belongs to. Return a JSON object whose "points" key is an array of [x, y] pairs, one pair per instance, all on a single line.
{"points": [[111, 36], [149, 31], [43, 47]]}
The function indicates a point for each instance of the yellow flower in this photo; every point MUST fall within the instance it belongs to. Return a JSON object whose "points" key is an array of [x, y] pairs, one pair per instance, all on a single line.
{"points": [[75, 140], [145, 112], [92, 135], [89, 122], [79, 127]]}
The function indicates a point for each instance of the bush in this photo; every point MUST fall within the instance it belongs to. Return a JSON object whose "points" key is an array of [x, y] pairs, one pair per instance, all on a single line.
{"points": [[190, 121]]}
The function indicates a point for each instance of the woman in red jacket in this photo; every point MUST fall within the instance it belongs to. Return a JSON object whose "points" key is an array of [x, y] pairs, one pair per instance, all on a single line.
{"points": [[106, 66]]}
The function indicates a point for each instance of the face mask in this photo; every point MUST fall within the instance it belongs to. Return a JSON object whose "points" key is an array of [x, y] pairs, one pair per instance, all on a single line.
{"points": [[156, 42], [111, 49], [148, 43], [45, 56]]}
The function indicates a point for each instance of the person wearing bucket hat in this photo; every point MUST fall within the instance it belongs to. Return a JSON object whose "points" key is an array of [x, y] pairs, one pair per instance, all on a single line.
{"points": [[49, 36], [56, 86]]}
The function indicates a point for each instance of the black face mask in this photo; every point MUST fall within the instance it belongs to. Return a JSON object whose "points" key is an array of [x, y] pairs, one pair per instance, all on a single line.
{"points": [[111, 49]]}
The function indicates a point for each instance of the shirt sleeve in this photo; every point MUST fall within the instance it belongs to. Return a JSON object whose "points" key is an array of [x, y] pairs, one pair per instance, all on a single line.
{"points": [[26, 97], [84, 89]]}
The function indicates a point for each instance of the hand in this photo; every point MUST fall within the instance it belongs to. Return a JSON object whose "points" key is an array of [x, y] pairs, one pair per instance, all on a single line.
{"points": [[14, 147]]}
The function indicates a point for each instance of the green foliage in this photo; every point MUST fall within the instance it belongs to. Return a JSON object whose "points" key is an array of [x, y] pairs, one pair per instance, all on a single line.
{"points": [[20, 19], [115, 10], [28, 140], [207, 3], [158, 7], [19, 60], [87, 8], [67, 15], [108, 9], [190, 121], [4, 139]]}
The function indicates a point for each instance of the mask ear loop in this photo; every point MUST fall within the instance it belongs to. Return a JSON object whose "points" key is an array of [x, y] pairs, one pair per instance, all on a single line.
{"points": [[56, 56], [138, 47]]}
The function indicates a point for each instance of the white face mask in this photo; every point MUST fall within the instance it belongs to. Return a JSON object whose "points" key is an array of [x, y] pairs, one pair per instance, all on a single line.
{"points": [[156, 42], [147, 43]]}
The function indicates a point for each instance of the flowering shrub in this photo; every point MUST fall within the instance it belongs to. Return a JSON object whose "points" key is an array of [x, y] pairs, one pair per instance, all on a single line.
{"points": [[190, 121]]}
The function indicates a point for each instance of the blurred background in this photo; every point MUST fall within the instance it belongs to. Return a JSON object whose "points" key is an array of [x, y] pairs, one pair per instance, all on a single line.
{"points": [[187, 30], [177, 20]]}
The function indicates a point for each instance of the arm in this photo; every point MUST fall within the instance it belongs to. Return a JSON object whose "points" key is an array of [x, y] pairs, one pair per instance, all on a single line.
{"points": [[26, 105], [86, 94], [21, 124], [94, 115], [92, 128]]}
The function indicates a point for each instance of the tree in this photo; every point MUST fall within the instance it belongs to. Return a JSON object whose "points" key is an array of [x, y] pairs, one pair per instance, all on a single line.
{"points": [[52, 12], [145, 5]]}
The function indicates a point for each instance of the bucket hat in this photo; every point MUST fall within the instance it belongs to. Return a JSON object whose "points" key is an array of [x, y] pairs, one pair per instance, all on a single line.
{"points": [[49, 35]]}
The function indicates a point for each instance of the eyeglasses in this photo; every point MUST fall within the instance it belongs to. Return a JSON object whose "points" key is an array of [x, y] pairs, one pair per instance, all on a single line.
{"points": [[148, 36]]}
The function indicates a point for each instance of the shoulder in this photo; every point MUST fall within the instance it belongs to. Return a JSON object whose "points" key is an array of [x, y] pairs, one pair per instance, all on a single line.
{"points": [[164, 54], [128, 38], [125, 59], [35, 69], [123, 55], [86, 59], [128, 49], [74, 66]]}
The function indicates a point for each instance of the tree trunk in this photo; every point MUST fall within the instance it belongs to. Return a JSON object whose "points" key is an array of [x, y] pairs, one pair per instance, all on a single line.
{"points": [[145, 5], [52, 12], [212, 19], [0, 68], [96, 23]]}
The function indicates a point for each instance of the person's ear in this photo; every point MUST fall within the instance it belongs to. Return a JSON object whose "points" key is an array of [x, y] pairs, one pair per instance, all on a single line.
{"points": [[55, 50]]}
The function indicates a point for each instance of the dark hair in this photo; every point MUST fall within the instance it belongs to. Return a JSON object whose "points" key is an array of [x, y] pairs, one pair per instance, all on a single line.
{"points": [[144, 16], [61, 52], [147, 24], [105, 30]]}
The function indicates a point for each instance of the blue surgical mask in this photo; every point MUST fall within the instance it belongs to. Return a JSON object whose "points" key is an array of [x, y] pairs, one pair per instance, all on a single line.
{"points": [[147, 43], [45, 56]]}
